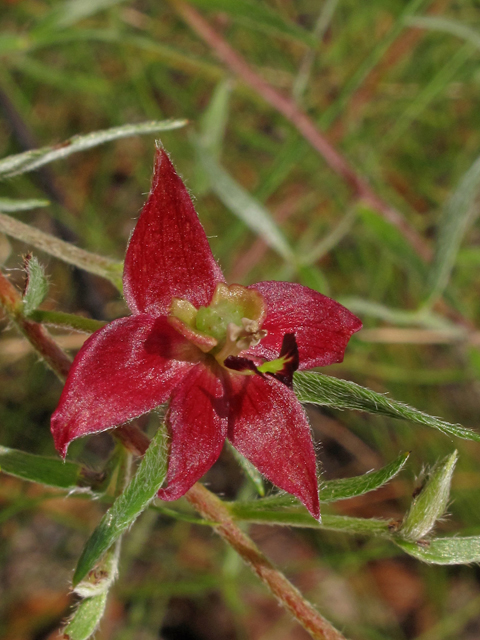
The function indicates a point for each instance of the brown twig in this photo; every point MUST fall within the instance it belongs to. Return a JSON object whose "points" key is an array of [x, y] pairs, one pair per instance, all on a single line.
{"points": [[213, 509], [302, 122], [39, 337], [208, 505]]}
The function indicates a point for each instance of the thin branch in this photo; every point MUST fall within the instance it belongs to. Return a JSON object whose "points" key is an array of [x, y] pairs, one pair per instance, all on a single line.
{"points": [[38, 337], [207, 504], [302, 122], [213, 509], [91, 262]]}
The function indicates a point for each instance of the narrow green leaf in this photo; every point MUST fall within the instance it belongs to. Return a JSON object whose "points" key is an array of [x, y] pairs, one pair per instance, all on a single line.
{"points": [[457, 215], [49, 471], [30, 160], [446, 25], [212, 131], [331, 490], [128, 506], [430, 504], [86, 618], [8, 205], [317, 388], [421, 318], [73, 11], [214, 119], [249, 470], [36, 288], [245, 206], [258, 15], [444, 550], [103, 267], [295, 517]]}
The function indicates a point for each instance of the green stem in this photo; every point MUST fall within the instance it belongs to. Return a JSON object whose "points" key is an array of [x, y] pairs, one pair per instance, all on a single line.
{"points": [[100, 266], [60, 319]]}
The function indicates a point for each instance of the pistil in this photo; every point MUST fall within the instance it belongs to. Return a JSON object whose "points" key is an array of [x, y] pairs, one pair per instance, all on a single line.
{"points": [[240, 338]]}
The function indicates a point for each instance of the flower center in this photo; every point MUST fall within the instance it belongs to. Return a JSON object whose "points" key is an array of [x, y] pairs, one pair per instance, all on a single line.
{"points": [[229, 325]]}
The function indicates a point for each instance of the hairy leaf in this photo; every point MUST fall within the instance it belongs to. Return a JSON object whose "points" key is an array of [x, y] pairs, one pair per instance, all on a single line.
{"points": [[30, 160], [295, 517], [104, 267], [457, 215], [444, 550], [330, 490], [431, 502], [128, 506], [86, 618], [49, 471], [317, 388], [37, 285], [9, 205]]}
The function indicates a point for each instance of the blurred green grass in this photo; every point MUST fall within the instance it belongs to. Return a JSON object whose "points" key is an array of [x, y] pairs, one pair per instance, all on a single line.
{"points": [[414, 134]]}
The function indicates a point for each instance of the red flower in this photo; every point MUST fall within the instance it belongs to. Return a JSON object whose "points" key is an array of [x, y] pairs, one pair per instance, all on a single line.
{"points": [[213, 351]]}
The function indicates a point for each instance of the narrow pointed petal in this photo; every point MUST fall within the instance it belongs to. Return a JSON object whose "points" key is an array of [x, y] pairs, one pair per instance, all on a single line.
{"points": [[268, 426], [322, 327], [122, 371], [168, 254], [197, 421]]}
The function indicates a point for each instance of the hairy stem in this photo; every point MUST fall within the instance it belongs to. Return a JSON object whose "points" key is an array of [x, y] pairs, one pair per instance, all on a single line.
{"points": [[38, 337], [91, 262], [70, 320], [208, 505], [213, 509]]}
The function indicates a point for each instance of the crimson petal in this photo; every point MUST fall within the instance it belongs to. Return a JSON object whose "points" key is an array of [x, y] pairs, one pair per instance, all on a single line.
{"points": [[197, 420], [168, 254], [268, 426], [122, 371], [322, 327]]}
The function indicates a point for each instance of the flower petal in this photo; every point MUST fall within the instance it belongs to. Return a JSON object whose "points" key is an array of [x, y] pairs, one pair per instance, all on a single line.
{"points": [[122, 371], [269, 427], [168, 254], [197, 420], [322, 327]]}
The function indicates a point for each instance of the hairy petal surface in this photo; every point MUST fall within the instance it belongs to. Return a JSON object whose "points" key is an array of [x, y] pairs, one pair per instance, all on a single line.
{"points": [[197, 420], [268, 426], [122, 371], [168, 254], [322, 327]]}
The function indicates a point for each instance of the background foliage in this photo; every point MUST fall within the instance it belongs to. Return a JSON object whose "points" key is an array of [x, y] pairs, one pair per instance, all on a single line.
{"points": [[394, 86]]}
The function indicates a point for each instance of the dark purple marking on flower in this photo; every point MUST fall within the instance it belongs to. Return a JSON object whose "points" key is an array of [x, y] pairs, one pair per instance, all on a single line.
{"points": [[237, 363], [136, 363]]}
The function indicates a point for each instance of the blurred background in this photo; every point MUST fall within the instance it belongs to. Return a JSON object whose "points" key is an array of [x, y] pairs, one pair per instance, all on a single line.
{"points": [[392, 87]]}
